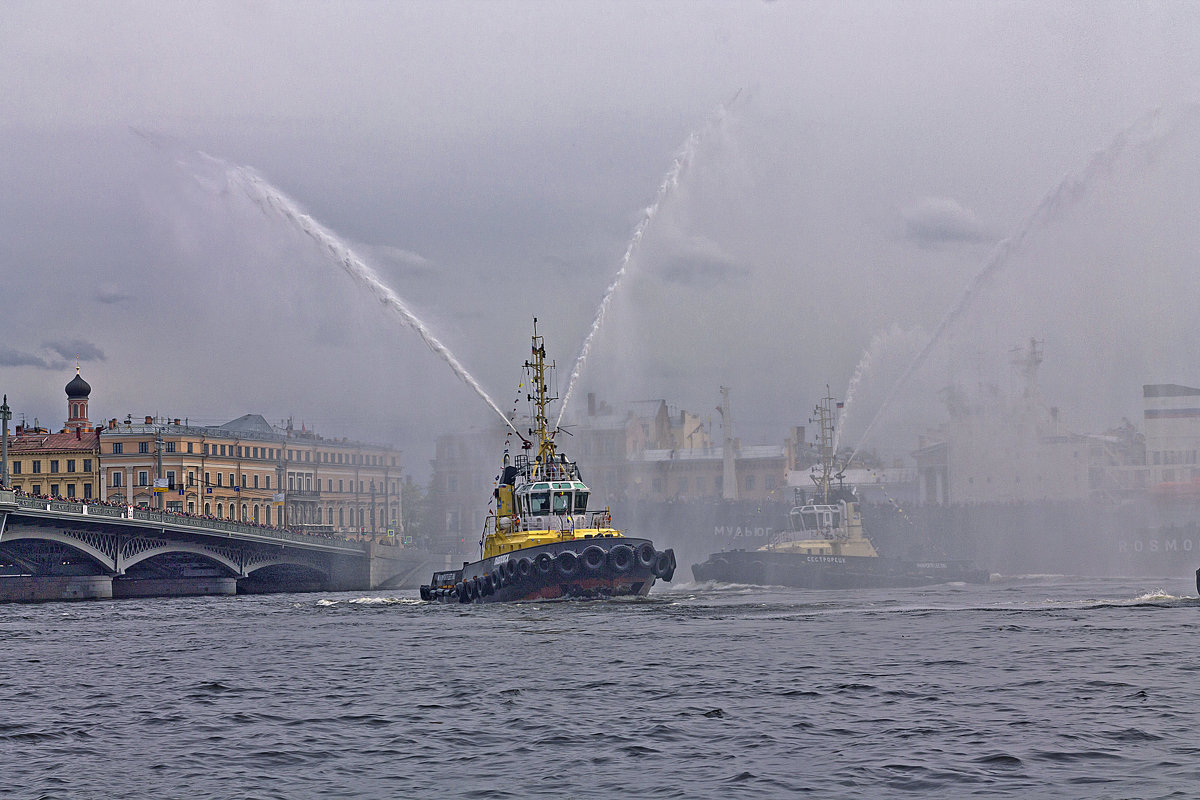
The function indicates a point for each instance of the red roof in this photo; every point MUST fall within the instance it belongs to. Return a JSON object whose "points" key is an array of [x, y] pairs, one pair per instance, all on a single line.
{"points": [[53, 442]]}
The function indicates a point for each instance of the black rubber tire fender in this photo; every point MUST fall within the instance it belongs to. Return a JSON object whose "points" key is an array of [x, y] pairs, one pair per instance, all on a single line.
{"points": [[593, 558], [544, 563], [662, 564], [620, 558], [567, 562], [646, 555], [524, 568]]}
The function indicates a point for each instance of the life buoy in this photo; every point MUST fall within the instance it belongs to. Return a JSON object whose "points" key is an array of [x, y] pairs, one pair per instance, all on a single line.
{"points": [[568, 563], [593, 558], [646, 555], [544, 563], [620, 558]]}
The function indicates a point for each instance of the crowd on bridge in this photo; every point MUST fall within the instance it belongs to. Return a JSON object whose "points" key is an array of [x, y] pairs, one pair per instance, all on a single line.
{"points": [[323, 534]]}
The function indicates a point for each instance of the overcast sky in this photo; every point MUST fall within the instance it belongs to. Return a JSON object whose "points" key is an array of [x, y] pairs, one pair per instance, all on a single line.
{"points": [[854, 167]]}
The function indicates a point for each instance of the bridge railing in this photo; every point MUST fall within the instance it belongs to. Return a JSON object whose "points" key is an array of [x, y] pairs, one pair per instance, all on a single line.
{"points": [[177, 520]]}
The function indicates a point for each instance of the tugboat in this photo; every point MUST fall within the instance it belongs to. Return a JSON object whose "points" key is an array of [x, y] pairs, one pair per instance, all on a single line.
{"points": [[542, 541], [825, 547]]}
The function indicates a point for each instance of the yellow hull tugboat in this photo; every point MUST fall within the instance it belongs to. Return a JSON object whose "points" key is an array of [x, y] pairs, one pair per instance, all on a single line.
{"points": [[825, 547], [542, 541]]}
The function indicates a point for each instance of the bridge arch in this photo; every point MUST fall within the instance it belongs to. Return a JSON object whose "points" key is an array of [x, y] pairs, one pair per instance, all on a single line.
{"points": [[99, 547], [139, 550]]}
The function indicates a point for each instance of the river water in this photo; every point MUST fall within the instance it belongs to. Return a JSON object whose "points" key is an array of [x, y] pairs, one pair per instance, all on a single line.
{"points": [[1033, 687]]}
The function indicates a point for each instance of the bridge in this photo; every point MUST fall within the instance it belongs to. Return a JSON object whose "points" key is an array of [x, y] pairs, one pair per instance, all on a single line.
{"points": [[63, 550]]}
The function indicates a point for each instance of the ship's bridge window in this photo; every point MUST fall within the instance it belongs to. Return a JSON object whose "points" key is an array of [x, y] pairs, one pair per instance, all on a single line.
{"points": [[581, 502], [539, 502], [562, 502]]}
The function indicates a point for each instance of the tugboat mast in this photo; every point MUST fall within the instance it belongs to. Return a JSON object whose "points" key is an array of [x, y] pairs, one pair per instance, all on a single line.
{"points": [[540, 398], [824, 417]]}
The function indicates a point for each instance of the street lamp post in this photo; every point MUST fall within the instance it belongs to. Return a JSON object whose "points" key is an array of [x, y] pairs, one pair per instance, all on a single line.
{"points": [[5, 416]]}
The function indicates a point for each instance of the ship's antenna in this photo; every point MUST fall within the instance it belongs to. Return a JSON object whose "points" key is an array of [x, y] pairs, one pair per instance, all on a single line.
{"points": [[538, 369]]}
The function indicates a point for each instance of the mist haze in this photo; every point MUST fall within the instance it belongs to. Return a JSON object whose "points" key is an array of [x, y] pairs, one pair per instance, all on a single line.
{"points": [[855, 168]]}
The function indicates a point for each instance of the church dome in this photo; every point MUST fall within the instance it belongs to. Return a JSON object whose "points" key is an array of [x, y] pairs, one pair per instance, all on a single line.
{"points": [[78, 387]]}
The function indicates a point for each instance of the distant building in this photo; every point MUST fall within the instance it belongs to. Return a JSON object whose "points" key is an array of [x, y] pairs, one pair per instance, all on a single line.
{"points": [[1172, 420], [251, 471]]}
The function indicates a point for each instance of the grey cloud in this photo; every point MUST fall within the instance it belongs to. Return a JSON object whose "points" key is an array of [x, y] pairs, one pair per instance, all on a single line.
{"points": [[110, 294], [85, 351], [16, 358], [696, 270], [935, 220]]}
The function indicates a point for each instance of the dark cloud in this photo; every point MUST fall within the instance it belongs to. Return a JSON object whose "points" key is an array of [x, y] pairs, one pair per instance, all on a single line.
{"points": [[938, 220], [76, 348], [15, 358], [700, 272]]}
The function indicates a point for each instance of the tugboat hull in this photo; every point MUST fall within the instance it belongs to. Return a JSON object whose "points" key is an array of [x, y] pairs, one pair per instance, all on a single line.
{"points": [[577, 569], [766, 568]]}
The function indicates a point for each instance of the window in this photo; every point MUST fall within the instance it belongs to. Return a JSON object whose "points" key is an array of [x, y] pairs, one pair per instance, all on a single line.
{"points": [[268, 482], [143, 478], [749, 481], [37, 468], [340, 487], [118, 448], [232, 482], [169, 446], [87, 465], [53, 465], [218, 481], [291, 481], [36, 488], [218, 510], [116, 480], [87, 491], [255, 481], [143, 447], [244, 481], [71, 490], [54, 490], [171, 478], [70, 465], [16, 468], [189, 449], [191, 478], [222, 453]]}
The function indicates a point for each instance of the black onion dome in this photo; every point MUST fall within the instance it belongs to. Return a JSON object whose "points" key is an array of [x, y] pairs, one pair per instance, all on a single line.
{"points": [[78, 387]]}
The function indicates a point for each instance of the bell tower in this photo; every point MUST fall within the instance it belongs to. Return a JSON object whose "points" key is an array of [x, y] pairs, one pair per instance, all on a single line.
{"points": [[78, 391]]}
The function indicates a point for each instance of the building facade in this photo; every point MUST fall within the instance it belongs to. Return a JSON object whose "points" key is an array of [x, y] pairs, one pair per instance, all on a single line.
{"points": [[60, 465]]}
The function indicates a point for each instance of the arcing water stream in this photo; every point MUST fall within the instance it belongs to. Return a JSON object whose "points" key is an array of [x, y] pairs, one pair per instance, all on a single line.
{"points": [[681, 161], [1145, 132], [271, 200]]}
